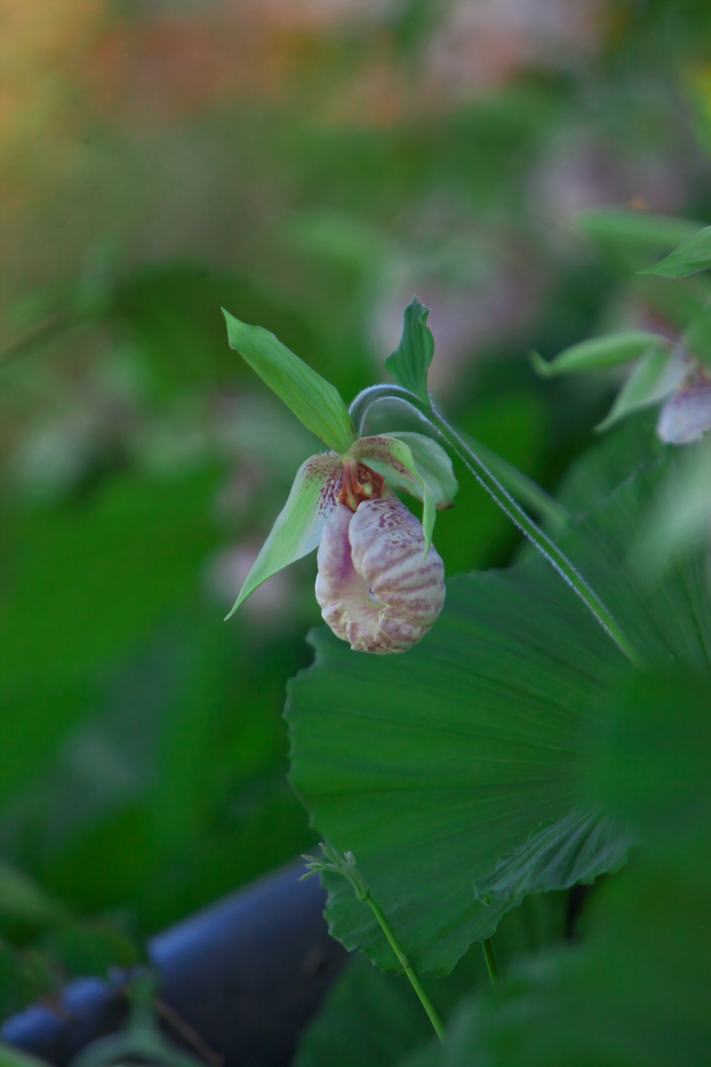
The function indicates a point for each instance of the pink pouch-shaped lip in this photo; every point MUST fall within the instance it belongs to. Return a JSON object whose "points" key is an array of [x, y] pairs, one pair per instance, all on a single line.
{"points": [[377, 588], [686, 415]]}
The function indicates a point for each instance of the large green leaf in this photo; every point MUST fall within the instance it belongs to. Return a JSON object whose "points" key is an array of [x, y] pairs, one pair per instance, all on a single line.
{"points": [[436, 766], [633, 444], [635, 994], [432, 768], [648, 757], [679, 518], [314, 401], [573, 849]]}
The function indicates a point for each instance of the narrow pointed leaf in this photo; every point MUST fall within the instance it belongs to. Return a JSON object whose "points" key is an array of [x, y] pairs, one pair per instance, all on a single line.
{"points": [[314, 401], [410, 361], [298, 526], [636, 230], [690, 257], [597, 353], [654, 376]]}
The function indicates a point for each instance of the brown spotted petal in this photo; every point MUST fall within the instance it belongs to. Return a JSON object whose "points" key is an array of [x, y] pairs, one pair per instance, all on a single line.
{"points": [[376, 586], [298, 526]]}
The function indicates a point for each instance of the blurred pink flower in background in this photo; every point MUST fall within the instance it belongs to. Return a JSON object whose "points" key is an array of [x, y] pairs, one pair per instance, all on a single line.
{"points": [[479, 47]]}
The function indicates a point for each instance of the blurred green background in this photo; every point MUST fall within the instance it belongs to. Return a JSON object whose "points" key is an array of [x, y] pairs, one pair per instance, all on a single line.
{"points": [[309, 166]]}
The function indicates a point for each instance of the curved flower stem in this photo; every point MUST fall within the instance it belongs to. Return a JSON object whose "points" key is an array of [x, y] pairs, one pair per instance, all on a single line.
{"points": [[407, 967], [481, 472]]}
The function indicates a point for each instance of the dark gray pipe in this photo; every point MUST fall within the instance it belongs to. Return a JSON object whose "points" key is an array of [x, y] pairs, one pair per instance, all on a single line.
{"points": [[244, 977]]}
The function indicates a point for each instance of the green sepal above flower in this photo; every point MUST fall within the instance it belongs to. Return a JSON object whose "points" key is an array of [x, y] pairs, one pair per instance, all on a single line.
{"points": [[410, 361], [314, 401], [598, 353]]}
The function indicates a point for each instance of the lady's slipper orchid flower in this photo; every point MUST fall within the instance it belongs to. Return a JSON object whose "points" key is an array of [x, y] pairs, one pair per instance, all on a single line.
{"points": [[662, 373], [377, 587], [380, 582]]}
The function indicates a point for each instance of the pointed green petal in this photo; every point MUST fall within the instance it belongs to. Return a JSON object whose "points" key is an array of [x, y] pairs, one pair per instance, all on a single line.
{"points": [[597, 353], [424, 470], [690, 257], [297, 530], [635, 230], [314, 401], [653, 377]]}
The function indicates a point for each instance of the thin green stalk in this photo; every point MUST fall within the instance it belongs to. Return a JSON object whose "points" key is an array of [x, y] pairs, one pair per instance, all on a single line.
{"points": [[547, 547], [407, 967], [481, 472], [490, 960]]}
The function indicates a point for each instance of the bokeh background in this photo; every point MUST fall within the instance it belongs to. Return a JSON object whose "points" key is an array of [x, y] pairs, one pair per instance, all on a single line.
{"points": [[309, 165]]}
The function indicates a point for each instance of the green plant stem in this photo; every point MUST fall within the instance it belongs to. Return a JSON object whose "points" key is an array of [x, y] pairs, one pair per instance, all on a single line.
{"points": [[407, 967], [479, 470], [490, 960], [547, 547]]}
